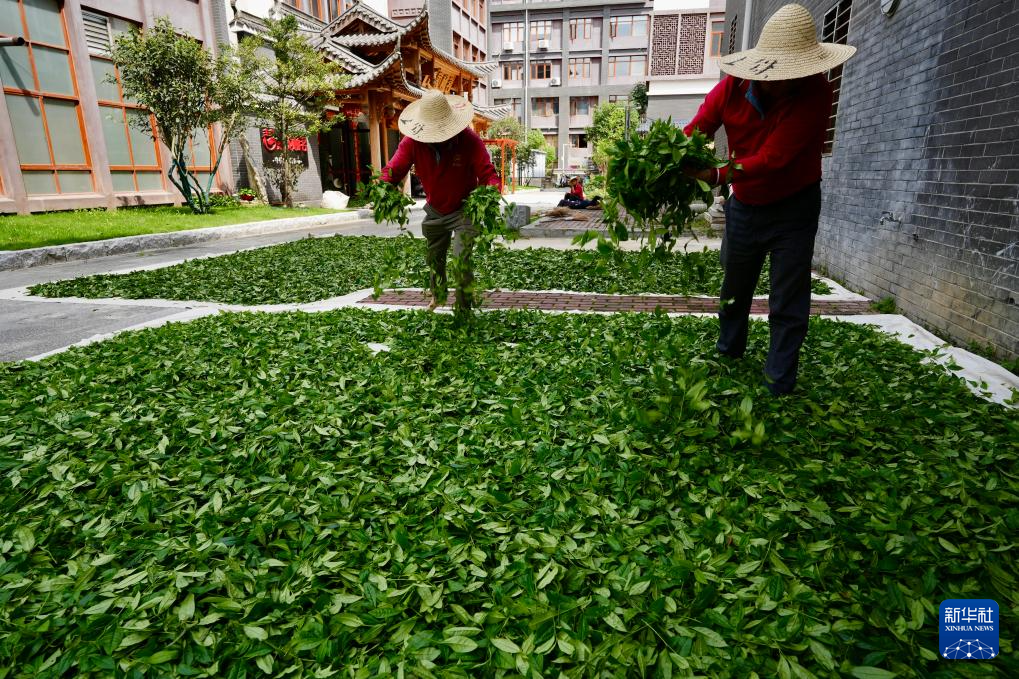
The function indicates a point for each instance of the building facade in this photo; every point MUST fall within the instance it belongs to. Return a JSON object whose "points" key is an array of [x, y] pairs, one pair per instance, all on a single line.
{"points": [[560, 59], [687, 41], [388, 65], [458, 27], [921, 171], [66, 135]]}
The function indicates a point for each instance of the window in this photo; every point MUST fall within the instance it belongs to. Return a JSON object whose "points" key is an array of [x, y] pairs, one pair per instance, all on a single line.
{"points": [[457, 46], [835, 29], [628, 26], [582, 106], [578, 141], [42, 99], [513, 104], [545, 107], [552, 140], [540, 30], [580, 29], [627, 66], [621, 99], [315, 8], [513, 71], [339, 7], [127, 128], [717, 31], [580, 68], [513, 33], [541, 70]]}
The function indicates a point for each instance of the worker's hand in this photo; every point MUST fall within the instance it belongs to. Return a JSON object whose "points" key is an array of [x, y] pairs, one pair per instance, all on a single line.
{"points": [[708, 175]]}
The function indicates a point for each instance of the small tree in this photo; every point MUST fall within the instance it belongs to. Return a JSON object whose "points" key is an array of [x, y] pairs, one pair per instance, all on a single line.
{"points": [[504, 128], [296, 86], [608, 126], [638, 96], [186, 90]]}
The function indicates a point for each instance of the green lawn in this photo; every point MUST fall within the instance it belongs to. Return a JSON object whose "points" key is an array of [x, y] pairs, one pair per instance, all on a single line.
{"points": [[18, 232], [319, 268], [554, 496]]}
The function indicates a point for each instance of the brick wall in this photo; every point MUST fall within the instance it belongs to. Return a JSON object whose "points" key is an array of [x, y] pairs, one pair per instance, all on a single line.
{"points": [[693, 32], [922, 188], [309, 185]]}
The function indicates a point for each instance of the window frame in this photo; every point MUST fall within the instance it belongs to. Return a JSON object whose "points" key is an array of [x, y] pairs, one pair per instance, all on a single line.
{"points": [[512, 28], [509, 68], [715, 35], [584, 62], [631, 21], [40, 96], [545, 66], [546, 34], [588, 26], [835, 29]]}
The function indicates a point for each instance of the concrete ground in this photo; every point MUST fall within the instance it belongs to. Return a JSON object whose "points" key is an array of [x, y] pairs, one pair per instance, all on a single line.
{"points": [[30, 327]]}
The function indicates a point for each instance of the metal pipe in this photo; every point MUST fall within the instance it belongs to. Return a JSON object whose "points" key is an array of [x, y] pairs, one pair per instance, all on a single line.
{"points": [[12, 42]]}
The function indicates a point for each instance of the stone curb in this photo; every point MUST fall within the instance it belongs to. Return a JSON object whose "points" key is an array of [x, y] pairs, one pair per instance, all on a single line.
{"points": [[24, 259]]}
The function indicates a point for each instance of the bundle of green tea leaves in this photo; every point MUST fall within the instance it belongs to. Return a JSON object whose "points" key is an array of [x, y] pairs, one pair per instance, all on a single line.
{"points": [[389, 203], [646, 178], [489, 212]]}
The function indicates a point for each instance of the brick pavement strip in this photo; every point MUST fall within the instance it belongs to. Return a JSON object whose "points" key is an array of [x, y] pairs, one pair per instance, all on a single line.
{"points": [[565, 301]]}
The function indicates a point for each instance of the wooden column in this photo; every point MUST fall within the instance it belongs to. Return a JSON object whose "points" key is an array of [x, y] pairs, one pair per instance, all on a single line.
{"points": [[373, 131]]}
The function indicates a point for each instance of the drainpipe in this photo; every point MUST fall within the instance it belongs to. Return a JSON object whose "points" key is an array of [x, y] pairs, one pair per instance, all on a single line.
{"points": [[748, 9], [526, 70]]}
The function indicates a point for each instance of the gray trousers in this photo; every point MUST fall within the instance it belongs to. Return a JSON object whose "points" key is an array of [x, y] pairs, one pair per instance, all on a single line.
{"points": [[439, 230]]}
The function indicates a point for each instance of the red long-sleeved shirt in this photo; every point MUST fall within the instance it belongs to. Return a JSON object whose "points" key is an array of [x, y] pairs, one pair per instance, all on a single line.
{"points": [[463, 166], [780, 151]]}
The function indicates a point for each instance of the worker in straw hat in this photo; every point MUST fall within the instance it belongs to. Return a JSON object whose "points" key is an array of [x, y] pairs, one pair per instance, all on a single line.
{"points": [[451, 161], [774, 104]]}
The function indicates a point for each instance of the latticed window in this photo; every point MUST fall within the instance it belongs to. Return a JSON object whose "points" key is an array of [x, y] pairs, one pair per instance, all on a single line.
{"points": [[42, 97], [835, 29], [131, 150]]}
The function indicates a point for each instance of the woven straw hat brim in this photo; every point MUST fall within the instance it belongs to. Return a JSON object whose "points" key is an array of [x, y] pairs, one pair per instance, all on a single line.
{"points": [[758, 64], [430, 120]]}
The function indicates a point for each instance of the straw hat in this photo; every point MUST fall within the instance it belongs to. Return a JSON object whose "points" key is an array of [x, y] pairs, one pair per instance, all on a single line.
{"points": [[787, 49], [436, 117]]}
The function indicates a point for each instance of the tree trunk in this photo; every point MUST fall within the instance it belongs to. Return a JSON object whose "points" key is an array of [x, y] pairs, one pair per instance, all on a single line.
{"points": [[257, 184]]}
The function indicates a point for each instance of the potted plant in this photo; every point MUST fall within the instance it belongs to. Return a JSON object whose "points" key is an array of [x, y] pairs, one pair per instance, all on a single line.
{"points": [[246, 195]]}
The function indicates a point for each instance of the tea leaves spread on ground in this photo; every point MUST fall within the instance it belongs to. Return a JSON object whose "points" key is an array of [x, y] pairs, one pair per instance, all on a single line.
{"points": [[582, 496], [314, 269]]}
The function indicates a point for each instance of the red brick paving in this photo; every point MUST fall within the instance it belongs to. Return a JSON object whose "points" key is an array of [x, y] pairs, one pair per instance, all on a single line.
{"points": [[567, 301]]}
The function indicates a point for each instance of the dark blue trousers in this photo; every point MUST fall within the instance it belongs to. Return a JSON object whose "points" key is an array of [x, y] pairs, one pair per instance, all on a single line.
{"points": [[785, 230]]}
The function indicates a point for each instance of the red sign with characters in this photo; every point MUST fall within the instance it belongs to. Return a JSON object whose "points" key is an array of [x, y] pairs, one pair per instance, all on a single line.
{"points": [[271, 143]]}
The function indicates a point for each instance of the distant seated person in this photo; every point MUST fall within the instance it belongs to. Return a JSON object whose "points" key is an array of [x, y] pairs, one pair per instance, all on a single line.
{"points": [[575, 198]]}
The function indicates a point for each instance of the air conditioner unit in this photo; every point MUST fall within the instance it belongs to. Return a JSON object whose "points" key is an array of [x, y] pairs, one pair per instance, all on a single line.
{"points": [[496, 83], [509, 47], [555, 82], [543, 45]]}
